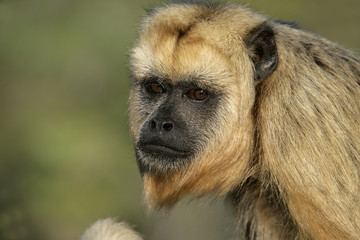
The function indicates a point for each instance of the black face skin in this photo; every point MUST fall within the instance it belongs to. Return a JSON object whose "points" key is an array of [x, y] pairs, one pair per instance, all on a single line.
{"points": [[175, 128]]}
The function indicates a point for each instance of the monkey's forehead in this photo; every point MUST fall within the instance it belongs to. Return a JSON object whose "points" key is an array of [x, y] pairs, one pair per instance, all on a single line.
{"points": [[180, 40], [184, 61]]}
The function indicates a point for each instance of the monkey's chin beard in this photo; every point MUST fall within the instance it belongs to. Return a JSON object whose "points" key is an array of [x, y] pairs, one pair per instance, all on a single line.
{"points": [[170, 170], [161, 159]]}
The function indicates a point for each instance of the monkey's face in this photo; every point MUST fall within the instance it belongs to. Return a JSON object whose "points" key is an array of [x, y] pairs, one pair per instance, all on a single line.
{"points": [[186, 122], [190, 104], [183, 116], [176, 112]]}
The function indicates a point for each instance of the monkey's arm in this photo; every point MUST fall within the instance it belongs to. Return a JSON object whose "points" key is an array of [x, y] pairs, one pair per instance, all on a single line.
{"points": [[109, 229]]}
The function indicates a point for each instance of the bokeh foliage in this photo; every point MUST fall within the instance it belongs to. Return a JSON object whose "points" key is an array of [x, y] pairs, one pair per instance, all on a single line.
{"points": [[66, 156]]}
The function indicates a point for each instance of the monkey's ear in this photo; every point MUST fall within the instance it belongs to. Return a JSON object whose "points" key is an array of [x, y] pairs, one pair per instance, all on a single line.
{"points": [[261, 44]]}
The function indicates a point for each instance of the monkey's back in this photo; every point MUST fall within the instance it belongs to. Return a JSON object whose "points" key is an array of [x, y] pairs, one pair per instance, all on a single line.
{"points": [[309, 116]]}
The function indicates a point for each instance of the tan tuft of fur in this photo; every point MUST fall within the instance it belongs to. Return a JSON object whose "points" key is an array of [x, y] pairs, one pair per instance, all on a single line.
{"points": [[109, 229]]}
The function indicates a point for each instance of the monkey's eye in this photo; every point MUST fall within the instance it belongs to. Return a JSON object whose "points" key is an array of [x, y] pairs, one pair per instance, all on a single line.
{"points": [[197, 94], [154, 87]]}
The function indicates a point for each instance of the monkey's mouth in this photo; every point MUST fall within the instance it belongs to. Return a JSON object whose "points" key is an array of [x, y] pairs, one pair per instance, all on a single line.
{"points": [[154, 154], [163, 151]]}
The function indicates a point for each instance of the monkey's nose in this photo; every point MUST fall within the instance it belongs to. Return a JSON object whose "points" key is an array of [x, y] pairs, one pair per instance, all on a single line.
{"points": [[161, 125]]}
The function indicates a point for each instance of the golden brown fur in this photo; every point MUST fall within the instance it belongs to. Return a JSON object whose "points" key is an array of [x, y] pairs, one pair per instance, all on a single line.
{"points": [[285, 150]]}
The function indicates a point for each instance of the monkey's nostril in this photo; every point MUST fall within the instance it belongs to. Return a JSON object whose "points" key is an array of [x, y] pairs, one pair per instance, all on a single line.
{"points": [[152, 124], [167, 126]]}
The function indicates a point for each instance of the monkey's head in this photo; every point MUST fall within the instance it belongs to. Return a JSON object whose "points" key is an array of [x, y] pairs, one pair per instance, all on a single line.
{"points": [[194, 70]]}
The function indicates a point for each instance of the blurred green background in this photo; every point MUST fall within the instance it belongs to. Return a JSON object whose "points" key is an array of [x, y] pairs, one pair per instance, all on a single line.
{"points": [[66, 157]]}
